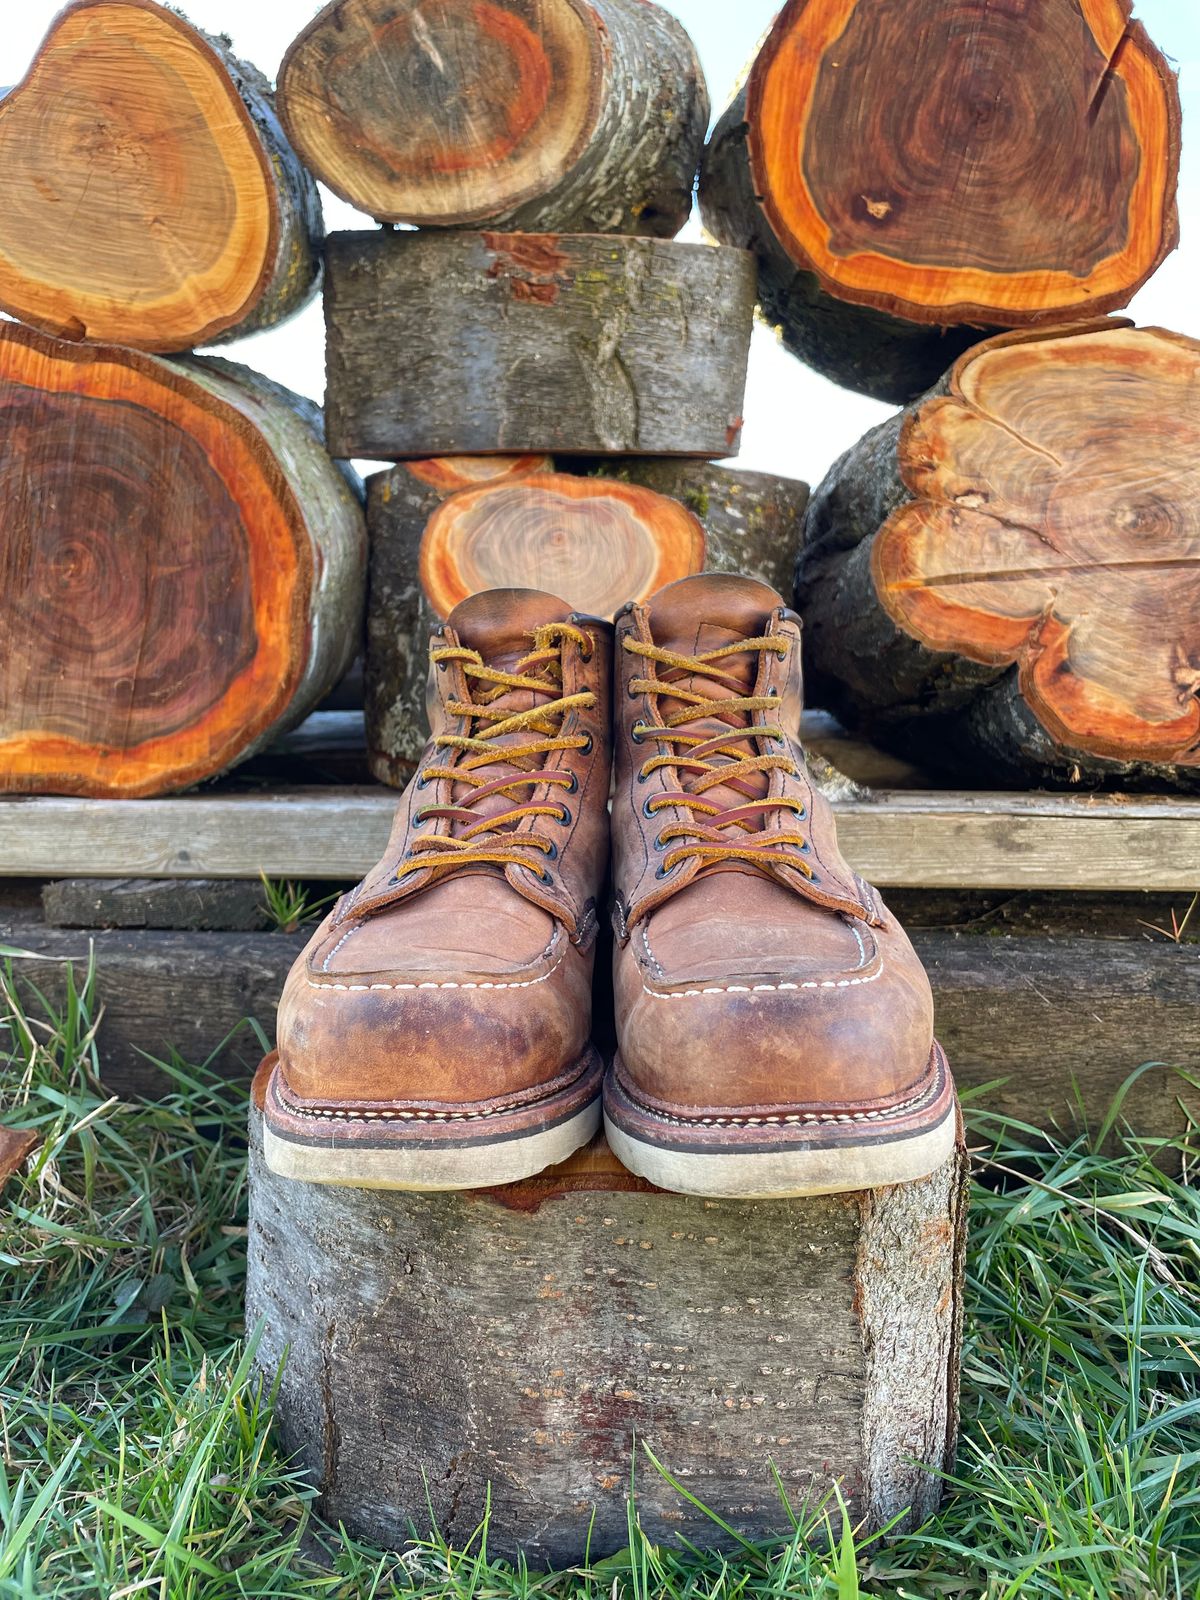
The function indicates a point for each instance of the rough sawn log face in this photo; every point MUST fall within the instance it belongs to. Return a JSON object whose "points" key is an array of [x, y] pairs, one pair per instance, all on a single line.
{"points": [[915, 173], [483, 343], [537, 116], [183, 567], [152, 199], [997, 583], [521, 1338], [751, 522]]}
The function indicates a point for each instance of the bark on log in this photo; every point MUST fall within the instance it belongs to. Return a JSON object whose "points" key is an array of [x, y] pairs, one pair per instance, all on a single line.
{"points": [[482, 343], [1005, 580], [151, 198], [538, 116], [596, 541], [524, 1337], [181, 567], [915, 173]]}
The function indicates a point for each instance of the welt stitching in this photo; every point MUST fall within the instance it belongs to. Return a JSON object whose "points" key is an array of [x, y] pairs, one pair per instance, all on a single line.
{"points": [[362, 988], [765, 988], [891, 1112], [768, 988]]}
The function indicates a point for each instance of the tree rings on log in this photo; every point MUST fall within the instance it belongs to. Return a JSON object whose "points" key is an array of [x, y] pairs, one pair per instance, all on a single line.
{"points": [[181, 567], [753, 521], [592, 543], [581, 116], [151, 198], [481, 343], [516, 1347], [614, 532], [1007, 577], [913, 171]]}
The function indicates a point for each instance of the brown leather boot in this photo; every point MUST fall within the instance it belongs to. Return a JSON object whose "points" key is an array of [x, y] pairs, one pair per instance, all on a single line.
{"points": [[775, 1025], [435, 1032]]}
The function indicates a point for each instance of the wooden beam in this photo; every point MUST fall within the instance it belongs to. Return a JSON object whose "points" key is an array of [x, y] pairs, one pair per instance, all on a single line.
{"points": [[918, 839]]}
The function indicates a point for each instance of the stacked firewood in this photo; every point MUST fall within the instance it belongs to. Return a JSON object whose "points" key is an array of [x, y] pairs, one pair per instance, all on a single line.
{"points": [[1004, 580], [936, 201]]}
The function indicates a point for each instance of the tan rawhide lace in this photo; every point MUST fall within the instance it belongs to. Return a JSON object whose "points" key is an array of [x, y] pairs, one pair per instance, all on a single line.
{"points": [[491, 839], [720, 761]]}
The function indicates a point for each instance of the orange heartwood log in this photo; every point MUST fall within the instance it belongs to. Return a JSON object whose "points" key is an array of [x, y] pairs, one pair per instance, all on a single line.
{"points": [[150, 196], [914, 174], [539, 116], [1004, 580], [592, 543], [181, 567], [442, 530]]}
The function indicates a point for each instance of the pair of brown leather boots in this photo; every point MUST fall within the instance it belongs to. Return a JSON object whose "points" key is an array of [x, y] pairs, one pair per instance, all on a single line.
{"points": [[775, 1028]]}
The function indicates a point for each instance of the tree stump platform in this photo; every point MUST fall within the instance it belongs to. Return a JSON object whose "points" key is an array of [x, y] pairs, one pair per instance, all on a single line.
{"points": [[535, 1338]]}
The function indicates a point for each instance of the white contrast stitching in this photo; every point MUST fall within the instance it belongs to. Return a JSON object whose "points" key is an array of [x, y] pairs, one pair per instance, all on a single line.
{"points": [[765, 988], [363, 988], [802, 1116]]}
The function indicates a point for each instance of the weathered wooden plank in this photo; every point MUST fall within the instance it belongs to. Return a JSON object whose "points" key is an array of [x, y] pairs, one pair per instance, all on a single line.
{"points": [[912, 838], [225, 905], [521, 1344], [1055, 1022]]}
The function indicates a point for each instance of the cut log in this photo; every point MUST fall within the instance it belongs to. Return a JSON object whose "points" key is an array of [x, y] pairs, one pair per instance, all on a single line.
{"points": [[534, 1338], [1005, 579], [151, 198], [483, 343], [594, 541], [539, 116], [914, 173], [753, 521], [400, 619], [181, 567]]}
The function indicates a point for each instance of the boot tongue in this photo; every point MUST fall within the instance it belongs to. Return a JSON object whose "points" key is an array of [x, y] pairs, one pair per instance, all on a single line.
{"points": [[500, 624], [703, 613]]}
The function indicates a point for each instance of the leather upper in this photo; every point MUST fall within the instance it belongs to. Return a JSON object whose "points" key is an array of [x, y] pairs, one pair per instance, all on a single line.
{"points": [[467, 983]]}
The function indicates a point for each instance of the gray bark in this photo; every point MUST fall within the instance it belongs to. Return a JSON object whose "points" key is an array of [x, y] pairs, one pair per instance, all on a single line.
{"points": [[856, 346], [469, 344], [524, 1338]]}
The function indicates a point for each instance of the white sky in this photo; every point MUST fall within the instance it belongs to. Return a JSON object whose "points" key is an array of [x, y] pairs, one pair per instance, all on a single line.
{"points": [[796, 423]]}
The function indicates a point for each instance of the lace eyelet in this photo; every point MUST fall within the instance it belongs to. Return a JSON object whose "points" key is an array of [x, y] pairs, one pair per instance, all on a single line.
{"points": [[806, 849], [422, 783], [648, 807], [565, 820], [641, 777], [633, 694], [552, 853], [587, 749], [662, 870], [772, 693]]}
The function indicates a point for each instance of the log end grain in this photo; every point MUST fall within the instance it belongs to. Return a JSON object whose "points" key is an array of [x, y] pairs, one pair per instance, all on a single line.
{"points": [[593, 543], [148, 201], [182, 568]]}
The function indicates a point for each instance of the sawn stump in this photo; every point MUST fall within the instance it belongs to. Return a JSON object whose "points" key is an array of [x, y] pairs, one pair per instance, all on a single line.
{"points": [[534, 1338]]}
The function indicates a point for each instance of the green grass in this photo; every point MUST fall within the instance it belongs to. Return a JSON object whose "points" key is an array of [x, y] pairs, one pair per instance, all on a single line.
{"points": [[136, 1451]]}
